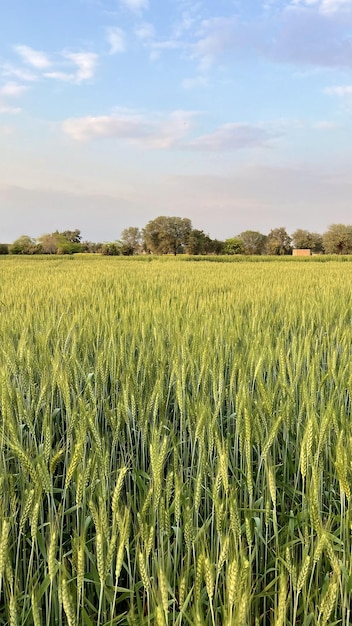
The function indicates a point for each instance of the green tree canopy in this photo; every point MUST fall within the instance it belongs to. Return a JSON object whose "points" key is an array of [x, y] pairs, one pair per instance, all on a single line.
{"points": [[91, 247], [73, 236], [111, 249], [167, 235], [217, 246], [197, 242], [338, 239], [234, 245], [303, 239], [66, 242], [24, 245], [278, 242], [253, 242], [131, 239]]}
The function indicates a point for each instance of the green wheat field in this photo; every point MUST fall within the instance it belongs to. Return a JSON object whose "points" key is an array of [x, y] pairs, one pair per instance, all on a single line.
{"points": [[175, 442]]}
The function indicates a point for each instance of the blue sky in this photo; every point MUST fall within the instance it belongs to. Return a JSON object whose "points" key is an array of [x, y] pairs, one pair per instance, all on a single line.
{"points": [[234, 114]]}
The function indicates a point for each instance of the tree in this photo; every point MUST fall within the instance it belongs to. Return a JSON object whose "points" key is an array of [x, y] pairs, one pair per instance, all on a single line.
{"points": [[24, 245], [91, 247], [49, 242], [234, 245], [4, 248], [67, 242], [111, 249], [131, 239], [278, 242], [68, 247], [253, 242], [73, 236], [197, 242], [303, 239], [338, 239], [216, 247], [167, 235]]}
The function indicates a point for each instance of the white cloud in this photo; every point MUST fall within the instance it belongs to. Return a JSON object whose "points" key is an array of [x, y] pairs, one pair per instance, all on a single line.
{"points": [[85, 63], [9, 109], [309, 38], [145, 31], [195, 83], [155, 132], [136, 5], [324, 125], [174, 129], [163, 132], [157, 47], [219, 35], [235, 136], [299, 35], [305, 2], [65, 77], [97, 127], [9, 70], [12, 90], [167, 44], [116, 39], [330, 6], [9, 91], [35, 58], [326, 6], [345, 90]]}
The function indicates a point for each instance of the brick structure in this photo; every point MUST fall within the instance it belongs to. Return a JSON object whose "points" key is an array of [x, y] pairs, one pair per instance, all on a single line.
{"points": [[302, 252]]}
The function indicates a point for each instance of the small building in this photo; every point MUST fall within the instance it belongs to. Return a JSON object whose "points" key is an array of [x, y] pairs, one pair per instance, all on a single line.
{"points": [[301, 252]]}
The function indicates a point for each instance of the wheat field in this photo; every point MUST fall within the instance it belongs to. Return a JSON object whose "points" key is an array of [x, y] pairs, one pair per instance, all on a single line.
{"points": [[175, 442]]}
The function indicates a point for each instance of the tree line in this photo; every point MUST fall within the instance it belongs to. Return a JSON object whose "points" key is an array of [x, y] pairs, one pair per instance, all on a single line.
{"points": [[176, 235]]}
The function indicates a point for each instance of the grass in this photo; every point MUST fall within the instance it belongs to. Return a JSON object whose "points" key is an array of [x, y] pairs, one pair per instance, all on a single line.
{"points": [[175, 442]]}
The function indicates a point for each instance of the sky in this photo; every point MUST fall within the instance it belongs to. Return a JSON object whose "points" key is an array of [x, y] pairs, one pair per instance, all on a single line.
{"points": [[235, 114]]}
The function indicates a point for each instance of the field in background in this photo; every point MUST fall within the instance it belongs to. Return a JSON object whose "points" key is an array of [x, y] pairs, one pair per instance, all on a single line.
{"points": [[175, 442]]}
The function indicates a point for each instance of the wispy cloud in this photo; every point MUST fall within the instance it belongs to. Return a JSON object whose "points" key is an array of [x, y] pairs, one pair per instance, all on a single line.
{"points": [[66, 66], [156, 48], [17, 72], [116, 39], [307, 37], [137, 6], [324, 125], [145, 31], [12, 90], [237, 136], [337, 90], [325, 6], [155, 131], [195, 83], [172, 131], [4, 108], [190, 17], [112, 126], [37, 59], [8, 92], [299, 35], [85, 63], [218, 35]]}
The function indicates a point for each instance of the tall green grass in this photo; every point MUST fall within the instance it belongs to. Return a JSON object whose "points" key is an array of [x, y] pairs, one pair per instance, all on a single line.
{"points": [[175, 443]]}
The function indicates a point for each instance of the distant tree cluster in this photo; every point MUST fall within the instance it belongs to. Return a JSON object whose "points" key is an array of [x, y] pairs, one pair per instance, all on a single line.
{"points": [[67, 242], [175, 235]]}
